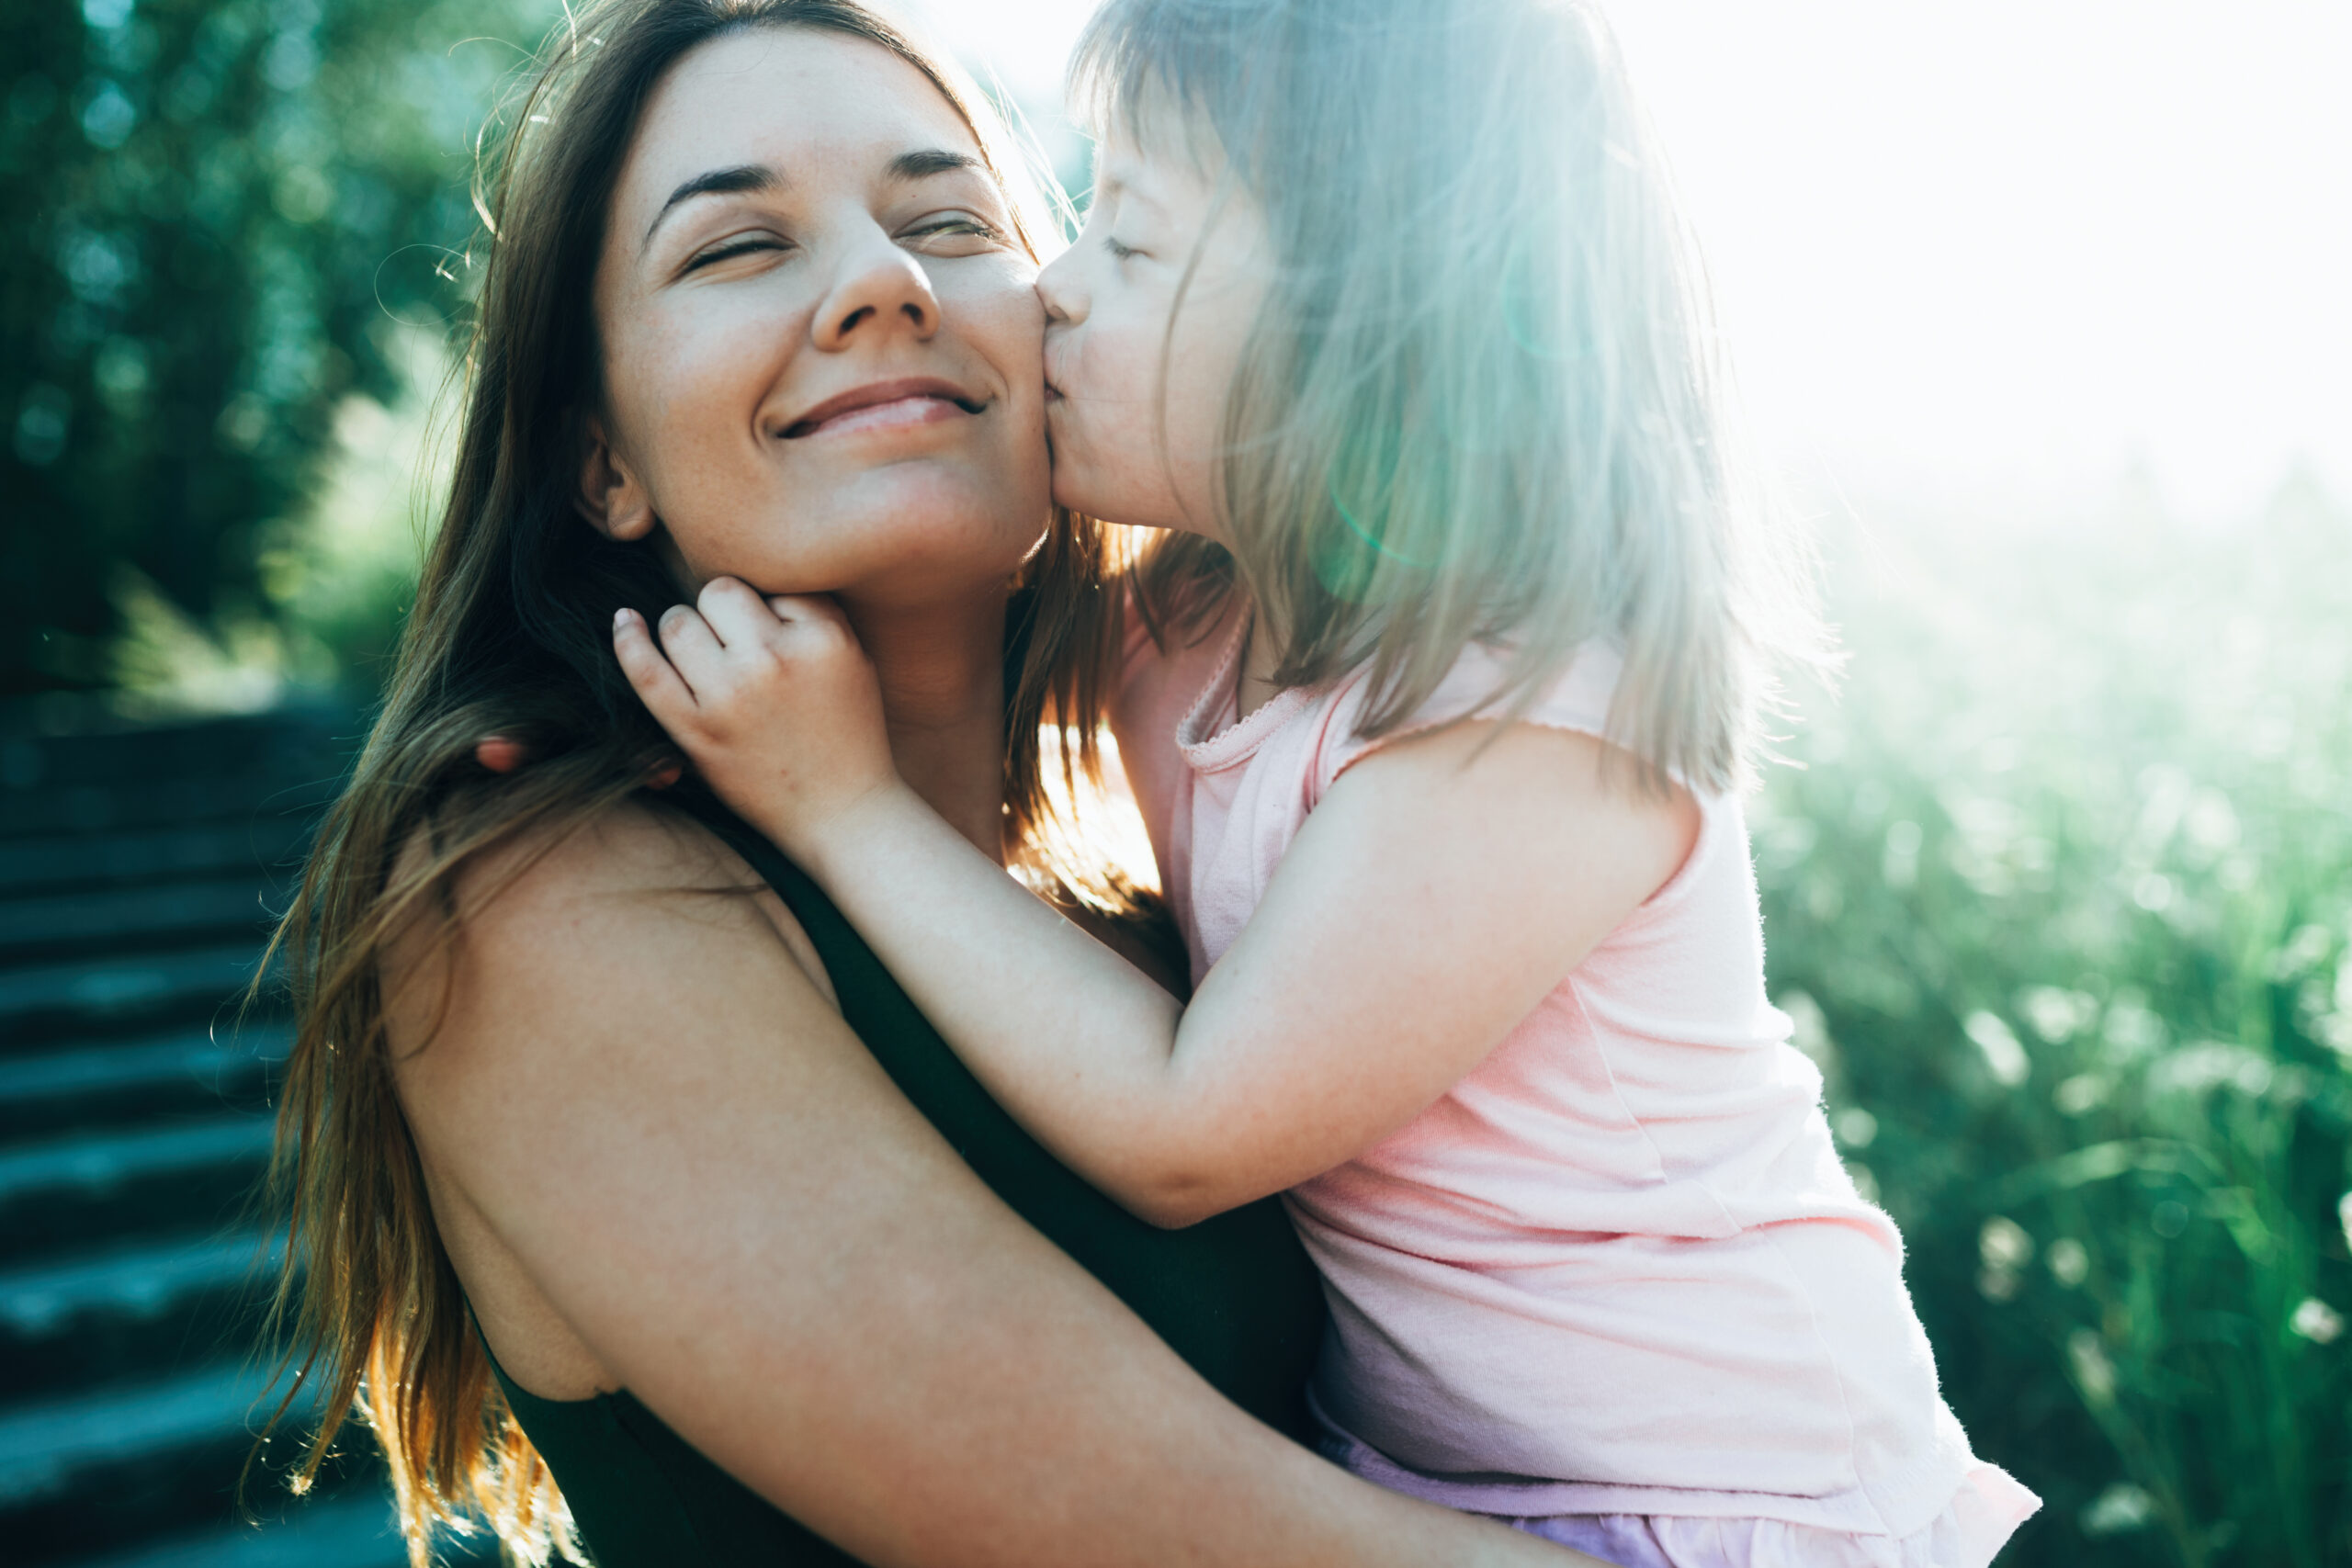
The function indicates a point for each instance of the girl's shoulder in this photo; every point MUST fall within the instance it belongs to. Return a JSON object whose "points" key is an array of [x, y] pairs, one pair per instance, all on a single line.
{"points": [[1478, 686]]}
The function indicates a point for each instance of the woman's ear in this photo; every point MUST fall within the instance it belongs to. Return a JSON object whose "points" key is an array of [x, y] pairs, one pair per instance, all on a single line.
{"points": [[611, 496]]}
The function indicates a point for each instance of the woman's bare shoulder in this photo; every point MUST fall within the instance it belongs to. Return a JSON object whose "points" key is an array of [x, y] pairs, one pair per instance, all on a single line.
{"points": [[584, 909], [590, 992], [519, 1010], [629, 848]]}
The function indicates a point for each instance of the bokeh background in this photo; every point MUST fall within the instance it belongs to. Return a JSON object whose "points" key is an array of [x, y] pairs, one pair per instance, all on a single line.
{"points": [[2042, 315]]}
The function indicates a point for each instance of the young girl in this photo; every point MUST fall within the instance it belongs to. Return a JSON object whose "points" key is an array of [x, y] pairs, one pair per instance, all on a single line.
{"points": [[1436, 704]]}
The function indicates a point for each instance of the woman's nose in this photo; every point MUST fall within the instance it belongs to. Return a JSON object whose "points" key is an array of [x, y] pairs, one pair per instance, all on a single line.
{"points": [[881, 289], [1057, 286]]}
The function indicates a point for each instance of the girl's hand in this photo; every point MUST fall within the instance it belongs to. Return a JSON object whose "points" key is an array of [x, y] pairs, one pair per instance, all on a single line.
{"points": [[773, 699]]}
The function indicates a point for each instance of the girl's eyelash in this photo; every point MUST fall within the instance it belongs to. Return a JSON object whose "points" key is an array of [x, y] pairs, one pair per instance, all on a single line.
{"points": [[1118, 252]]}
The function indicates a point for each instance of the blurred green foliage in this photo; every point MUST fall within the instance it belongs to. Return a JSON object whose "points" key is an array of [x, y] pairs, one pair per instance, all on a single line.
{"points": [[2061, 902], [218, 212]]}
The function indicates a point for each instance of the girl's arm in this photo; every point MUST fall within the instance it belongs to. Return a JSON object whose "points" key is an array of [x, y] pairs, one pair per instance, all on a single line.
{"points": [[642, 1095], [1440, 890]]}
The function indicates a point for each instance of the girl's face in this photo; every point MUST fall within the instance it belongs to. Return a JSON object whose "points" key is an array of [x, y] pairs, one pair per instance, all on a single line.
{"points": [[1118, 340], [820, 338]]}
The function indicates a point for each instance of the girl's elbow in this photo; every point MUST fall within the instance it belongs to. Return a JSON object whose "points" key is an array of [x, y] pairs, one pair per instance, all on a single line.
{"points": [[1174, 1200], [1176, 1172], [1173, 1212]]}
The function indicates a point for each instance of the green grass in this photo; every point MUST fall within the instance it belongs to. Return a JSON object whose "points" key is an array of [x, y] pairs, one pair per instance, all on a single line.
{"points": [[2060, 898]]}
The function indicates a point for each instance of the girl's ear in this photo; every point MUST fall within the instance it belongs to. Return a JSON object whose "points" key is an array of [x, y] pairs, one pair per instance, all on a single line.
{"points": [[611, 496]]}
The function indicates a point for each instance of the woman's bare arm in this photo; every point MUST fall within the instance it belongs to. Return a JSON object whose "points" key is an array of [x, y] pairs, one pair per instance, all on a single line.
{"points": [[643, 1095]]}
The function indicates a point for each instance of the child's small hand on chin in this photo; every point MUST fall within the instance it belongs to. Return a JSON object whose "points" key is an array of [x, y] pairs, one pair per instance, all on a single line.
{"points": [[773, 700]]}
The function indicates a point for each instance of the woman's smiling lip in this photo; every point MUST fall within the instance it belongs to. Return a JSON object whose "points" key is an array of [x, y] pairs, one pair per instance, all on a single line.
{"points": [[886, 404]]}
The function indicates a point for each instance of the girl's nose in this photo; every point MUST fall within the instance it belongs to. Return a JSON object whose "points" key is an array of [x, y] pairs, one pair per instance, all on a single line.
{"points": [[880, 289], [1057, 286]]}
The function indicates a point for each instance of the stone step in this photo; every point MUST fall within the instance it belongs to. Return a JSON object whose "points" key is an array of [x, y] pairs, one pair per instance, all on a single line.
{"points": [[135, 1310], [265, 841], [39, 757], [104, 1469], [162, 802], [139, 869], [74, 1192], [356, 1530], [110, 1083], [117, 921], [43, 1447], [42, 1004]]}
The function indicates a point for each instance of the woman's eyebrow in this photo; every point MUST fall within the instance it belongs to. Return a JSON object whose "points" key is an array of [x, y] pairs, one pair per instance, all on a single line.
{"points": [[905, 167], [719, 182], [931, 160]]}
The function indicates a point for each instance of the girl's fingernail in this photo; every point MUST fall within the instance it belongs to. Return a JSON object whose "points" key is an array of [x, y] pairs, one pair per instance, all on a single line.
{"points": [[620, 619]]}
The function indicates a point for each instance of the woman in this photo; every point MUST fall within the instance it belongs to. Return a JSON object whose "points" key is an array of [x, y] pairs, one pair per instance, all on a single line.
{"points": [[759, 305]]}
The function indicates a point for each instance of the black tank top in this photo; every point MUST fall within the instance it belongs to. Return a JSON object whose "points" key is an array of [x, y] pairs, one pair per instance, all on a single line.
{"points": [[1235, 1296]]}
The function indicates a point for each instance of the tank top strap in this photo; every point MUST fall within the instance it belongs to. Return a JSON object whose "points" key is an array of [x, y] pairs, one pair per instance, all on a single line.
{"points": [[872, 1002], [828, 930]]}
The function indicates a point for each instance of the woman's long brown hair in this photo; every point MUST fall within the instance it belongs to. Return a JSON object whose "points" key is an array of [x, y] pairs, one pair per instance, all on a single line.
{"points": [[510, 637]]}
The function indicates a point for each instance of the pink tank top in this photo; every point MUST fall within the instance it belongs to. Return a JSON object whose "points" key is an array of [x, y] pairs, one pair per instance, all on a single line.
{"points": [[1618, 1267]]}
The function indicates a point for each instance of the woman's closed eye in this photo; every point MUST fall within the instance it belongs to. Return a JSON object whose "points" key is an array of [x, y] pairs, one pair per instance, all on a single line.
{"points": [[1118, 252], [953, 234], [734, 246]]}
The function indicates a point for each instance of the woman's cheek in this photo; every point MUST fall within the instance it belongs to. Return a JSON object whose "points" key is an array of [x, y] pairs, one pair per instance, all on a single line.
{"points": [[1012, 324]]}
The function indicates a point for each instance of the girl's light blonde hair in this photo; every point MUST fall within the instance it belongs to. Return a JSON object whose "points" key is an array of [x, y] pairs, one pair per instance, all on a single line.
{"points": [[1483, 401]]}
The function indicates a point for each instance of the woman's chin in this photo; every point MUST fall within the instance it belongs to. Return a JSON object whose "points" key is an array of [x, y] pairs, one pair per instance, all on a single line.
{"points": [[901, 530], [954, 486]]}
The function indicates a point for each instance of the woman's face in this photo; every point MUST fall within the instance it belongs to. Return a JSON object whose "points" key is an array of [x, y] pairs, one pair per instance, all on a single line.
{"points": [[821, 348]]}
